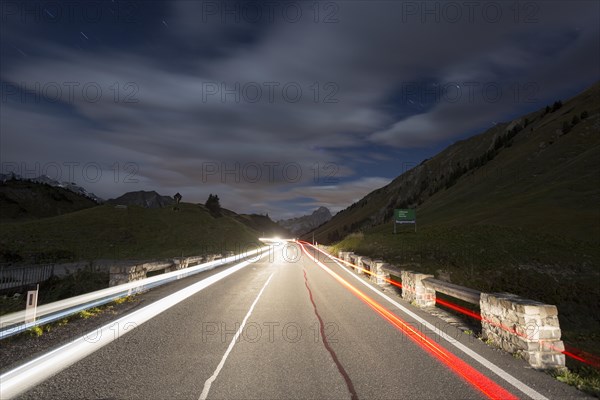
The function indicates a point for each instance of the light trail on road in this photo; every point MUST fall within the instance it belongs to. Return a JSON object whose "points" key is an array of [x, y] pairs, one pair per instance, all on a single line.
{"points": [[479, 381], [169, 359], [26, 376], [15, 323], [570, 351]]}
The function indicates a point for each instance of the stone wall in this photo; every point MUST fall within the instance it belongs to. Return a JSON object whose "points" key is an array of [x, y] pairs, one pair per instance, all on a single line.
{"points": [[517, 325], [378, 273], [350, 257], [120, 274], [524, 327]]}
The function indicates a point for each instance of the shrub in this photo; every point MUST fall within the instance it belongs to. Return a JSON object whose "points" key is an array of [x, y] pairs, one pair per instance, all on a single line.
{"points": [[36, 331], [213, 205]]}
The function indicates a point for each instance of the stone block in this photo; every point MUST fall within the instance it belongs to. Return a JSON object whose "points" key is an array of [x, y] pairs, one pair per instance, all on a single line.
{"points": [[365, 263], [413, 289], [523, 326], [380, 276], [358, 263]]}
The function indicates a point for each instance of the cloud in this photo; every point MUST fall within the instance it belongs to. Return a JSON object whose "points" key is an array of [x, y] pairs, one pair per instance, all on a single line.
{"points": [[284, 204], [194, 85]]}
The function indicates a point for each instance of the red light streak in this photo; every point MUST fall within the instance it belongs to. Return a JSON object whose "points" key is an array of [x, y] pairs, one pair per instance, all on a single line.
{"points": [[460, 309], [488, 387], [572, 352], [590, 359]]}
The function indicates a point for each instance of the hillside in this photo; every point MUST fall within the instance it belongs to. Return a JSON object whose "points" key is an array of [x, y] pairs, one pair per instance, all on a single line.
{"points": [[514, 209], [107, 232], [532, 173], [306, 223], [27, 200]]}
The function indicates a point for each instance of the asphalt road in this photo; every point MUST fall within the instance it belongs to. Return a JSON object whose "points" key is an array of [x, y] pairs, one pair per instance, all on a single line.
{"points": [[302, 334]]}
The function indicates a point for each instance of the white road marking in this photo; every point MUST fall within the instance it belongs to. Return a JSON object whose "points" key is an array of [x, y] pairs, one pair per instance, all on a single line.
{"points": [[213, 377], [34, 372], [489, 365]]}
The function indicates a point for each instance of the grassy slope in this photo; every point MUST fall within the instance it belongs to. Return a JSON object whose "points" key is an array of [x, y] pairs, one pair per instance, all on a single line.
{"points": [[105, 232], [547, 189], [526, 222], [542, 181]]}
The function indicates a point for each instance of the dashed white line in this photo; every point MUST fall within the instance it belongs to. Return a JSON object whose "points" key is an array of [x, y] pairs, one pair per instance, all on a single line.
{"points": [[213, 377]]}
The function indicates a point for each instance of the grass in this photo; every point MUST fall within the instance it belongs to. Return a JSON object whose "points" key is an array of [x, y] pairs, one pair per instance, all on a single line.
{"points": [[124, 299], [585, 379], [35, 331], [90, 312], [105, 232], [40, 330]]}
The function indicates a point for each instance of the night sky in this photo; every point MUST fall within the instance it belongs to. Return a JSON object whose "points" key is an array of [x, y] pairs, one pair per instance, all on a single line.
{"points": [[277, 107]]}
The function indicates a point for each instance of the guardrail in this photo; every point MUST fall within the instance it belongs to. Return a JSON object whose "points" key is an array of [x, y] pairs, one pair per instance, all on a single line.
{"points": [[460, 292], [15, 279], [515, 324], [14, 323]]}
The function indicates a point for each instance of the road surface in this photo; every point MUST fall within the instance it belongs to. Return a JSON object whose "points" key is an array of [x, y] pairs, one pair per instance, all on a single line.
{"points": [[287, 327]]}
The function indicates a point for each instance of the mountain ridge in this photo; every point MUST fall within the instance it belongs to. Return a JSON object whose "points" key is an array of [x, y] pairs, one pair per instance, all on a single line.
{"points": [[24, 199], [306, 223], [45, 179]]}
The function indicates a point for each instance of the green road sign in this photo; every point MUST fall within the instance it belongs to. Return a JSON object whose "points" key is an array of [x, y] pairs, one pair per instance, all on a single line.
{"points": [[405, 215]]}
